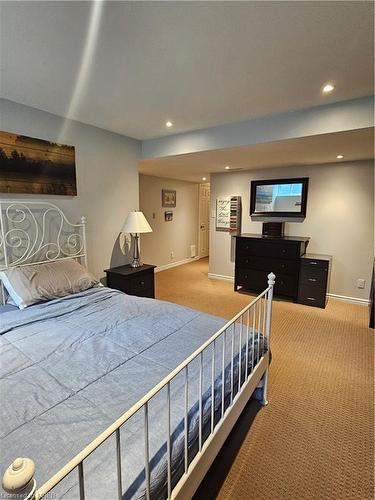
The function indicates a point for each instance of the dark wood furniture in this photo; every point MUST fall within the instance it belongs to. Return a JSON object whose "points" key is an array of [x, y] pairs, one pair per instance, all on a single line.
{"points": [[257, 255], [132, 280], [314, 277]]}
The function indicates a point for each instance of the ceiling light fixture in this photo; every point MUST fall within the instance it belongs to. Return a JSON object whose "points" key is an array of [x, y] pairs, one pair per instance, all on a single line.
{"points": [[227, 167], [339, 157], [328, 87], [169, 124], [204, 178]]}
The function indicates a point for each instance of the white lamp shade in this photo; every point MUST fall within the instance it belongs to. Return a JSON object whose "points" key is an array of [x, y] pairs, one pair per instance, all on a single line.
{"points": [[136, 222]]}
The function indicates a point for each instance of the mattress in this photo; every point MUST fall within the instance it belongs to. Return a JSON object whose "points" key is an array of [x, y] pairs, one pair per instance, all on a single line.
{"points": [[70, 367]]}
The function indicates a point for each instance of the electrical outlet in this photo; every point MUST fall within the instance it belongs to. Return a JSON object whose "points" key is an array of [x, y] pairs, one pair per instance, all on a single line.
{"points": [[361, 283], [172, 255]]}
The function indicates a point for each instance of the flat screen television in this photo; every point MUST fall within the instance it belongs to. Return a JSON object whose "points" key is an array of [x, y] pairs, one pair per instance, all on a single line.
{"points": [[279, 200]]}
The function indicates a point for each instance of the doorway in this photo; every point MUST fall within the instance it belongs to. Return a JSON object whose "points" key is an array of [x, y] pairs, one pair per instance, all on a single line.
{"points": [[204, 220]]}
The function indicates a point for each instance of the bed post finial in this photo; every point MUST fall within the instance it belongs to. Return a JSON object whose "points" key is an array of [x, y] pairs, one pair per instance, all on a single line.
{"points": [[271, 282], [271, 279], [83, 224], [19, 480]]}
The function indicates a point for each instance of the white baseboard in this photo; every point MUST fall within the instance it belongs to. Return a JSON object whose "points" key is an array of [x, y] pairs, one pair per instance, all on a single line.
{"points": [[351, 300], [343, 298], [213, 276], [175, 264]]}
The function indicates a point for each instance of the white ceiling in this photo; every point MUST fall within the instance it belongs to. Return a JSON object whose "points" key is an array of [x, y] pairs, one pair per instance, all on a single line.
{"points": [[198, 64], [318, 149]]}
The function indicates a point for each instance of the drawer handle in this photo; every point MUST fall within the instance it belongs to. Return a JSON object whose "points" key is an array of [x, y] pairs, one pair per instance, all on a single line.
{"points": [[313, 279], [283, 266], [313, 263], [283, 250], [141, 282], [311, 298]]}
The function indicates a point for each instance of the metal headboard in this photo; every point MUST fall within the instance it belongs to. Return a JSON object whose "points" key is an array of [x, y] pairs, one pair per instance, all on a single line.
{"points": [[35, 232]]}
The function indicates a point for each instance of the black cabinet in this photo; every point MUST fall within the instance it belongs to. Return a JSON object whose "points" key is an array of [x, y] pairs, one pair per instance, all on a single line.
{"points": [[132, 280], [314, 279], [258, 255]]}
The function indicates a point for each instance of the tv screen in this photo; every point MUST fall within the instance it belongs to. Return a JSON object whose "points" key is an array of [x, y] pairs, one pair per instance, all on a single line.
{"points": [[281, 198]]}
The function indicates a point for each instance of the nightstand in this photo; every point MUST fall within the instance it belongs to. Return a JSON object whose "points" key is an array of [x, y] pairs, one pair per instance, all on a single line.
{"points": [[132, 280], [314, 276]]}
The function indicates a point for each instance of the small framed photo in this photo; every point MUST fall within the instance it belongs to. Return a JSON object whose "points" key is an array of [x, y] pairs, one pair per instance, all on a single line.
{"points": [[168, 198], [168, 215]]}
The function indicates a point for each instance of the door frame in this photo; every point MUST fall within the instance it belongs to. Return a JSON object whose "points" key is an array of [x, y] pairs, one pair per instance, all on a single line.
{"points": [[199, 256]]}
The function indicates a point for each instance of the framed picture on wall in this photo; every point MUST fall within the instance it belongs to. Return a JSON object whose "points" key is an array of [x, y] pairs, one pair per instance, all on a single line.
{"points": [[168, 198], [223, 214], [168, 215], [35, 166]]}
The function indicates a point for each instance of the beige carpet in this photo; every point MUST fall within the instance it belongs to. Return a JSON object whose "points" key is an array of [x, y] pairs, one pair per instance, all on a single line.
{"points": [[315, 438]]}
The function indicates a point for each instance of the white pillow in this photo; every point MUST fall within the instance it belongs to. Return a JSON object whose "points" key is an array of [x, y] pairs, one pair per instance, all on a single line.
{"points": [[41, 282]]}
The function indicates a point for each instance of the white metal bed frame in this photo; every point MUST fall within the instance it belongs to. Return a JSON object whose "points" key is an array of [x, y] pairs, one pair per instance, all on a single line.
{"points": [[17, 248]]}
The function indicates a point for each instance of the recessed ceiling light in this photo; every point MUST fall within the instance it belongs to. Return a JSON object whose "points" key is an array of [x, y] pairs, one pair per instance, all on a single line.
{"points": [[339, 157], [169, 124], [328, 87], [227, 167], [204, 178]]}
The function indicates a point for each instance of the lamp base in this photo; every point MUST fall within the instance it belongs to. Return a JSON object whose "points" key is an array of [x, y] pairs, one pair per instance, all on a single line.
{"points": [[136, 263], [136, 258]]}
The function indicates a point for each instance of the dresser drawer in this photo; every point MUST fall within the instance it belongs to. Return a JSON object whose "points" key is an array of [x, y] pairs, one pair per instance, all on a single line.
{"points": [[311, 296], [314, 264], [247, 247], [277, 266], [142, 285], [314, 277], [253, 279]]}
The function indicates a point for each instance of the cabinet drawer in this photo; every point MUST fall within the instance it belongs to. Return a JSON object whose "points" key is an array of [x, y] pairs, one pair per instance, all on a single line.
{"points": [[260, 248], [142, 285], [277, 266], [314, 277], [253, 279], [118, 283], [311, 296], [314, 264]]}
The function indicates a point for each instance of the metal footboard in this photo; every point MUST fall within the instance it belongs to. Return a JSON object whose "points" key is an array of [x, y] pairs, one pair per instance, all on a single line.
{"points": [[230, 391]]}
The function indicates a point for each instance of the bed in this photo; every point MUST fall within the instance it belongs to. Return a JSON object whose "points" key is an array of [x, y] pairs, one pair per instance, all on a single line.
{"points": [[111, 395]]}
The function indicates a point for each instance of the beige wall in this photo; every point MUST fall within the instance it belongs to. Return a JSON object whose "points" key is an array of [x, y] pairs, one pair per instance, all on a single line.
{"points": [[175, 236], [340, 219], [107, 177]]}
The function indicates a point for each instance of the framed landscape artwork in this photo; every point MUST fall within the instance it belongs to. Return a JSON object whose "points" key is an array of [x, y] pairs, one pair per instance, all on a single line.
{"points": [[35, 166], [168, 198]]}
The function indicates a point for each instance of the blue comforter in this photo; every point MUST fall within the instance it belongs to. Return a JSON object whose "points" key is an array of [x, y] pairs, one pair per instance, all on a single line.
{"points": [[70, 367]]}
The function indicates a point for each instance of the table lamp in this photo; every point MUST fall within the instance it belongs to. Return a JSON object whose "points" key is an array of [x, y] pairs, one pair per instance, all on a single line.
{"points": [[136, 223]]}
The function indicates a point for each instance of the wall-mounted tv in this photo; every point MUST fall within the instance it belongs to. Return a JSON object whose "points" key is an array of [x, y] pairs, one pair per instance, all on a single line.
{"points": [[279, 199]]}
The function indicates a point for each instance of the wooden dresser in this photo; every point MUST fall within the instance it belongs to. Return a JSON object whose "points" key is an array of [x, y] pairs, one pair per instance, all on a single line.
{"points": [[258, 255]]}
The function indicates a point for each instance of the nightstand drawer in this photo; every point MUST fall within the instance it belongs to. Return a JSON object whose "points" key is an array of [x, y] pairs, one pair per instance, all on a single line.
{"points": [[142, 285], [314, 277], [312, 297]]}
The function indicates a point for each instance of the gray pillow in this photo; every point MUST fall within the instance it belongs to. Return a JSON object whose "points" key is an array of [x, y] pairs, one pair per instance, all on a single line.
{"points": [[41, 282]]}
